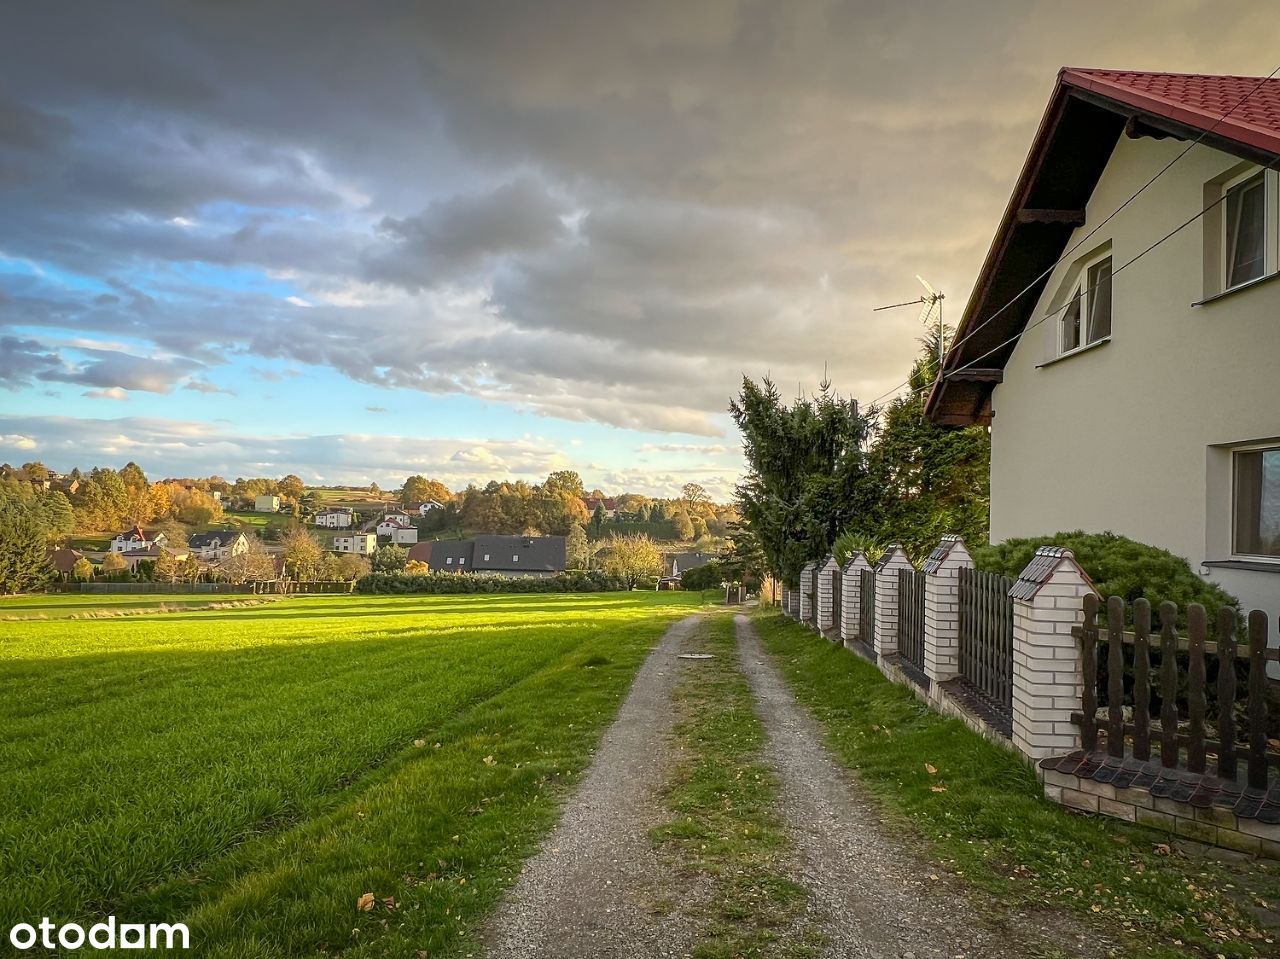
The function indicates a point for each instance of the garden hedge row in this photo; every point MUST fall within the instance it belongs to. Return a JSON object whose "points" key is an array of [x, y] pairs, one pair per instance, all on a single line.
{"points": [[570, 582]]}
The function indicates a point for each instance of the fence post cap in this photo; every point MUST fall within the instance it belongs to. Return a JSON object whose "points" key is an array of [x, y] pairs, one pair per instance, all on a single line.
{"points": [[856, 559], [893, 551], [942, 552], [830, 564], [1044, 564]]}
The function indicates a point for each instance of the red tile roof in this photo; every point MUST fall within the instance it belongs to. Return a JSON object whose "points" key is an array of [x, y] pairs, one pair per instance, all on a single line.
{"points": [[1246, 109]]}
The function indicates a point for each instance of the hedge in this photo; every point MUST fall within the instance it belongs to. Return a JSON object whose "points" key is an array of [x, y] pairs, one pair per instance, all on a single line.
{"points": [[574, 581]]}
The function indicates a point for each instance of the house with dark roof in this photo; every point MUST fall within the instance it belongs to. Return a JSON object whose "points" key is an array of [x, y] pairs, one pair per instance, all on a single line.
{"points": [[1122, 334], [137, 538], [539, 556], [64, 559], [678, 563], [217, 545]]}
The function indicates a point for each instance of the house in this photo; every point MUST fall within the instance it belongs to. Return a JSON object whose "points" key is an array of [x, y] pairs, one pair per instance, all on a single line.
{"points": [[398, 515], [136, 538], [151, 554], [421, 553], [64, 559], [400, 532], [1138, 400], [266, 504], [218, 545], [337, 518], [540, 556], [609, 503], [365, 544], [422, 509], [683, 562]]}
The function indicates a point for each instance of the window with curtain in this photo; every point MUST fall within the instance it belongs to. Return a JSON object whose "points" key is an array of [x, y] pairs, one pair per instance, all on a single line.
{"points": [[1257, 502], [1086, 318]]}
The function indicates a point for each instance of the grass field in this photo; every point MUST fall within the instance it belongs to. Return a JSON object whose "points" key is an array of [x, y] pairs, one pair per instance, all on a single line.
{"points": [[254, 772]]}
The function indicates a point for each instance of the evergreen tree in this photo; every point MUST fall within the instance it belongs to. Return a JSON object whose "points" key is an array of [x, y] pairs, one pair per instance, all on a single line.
{"points": [[24, 561]]}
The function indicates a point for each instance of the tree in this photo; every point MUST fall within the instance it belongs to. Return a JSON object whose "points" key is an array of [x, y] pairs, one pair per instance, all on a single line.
{"points": [[113, 563], [419, 489], [807, 475], [683, 526], [695, 498], [254, 565], [707, 576], [82, 571], [597, 518], [302, 552], [350, 566], [632, 558], [36, 471], [390, 559], [564, 481], [577, 551], [189, 569], [56, 514], [291, 487], [133, 477], [24, 562]]}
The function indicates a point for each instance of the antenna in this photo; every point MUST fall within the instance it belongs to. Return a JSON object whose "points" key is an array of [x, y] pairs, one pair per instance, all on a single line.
{"points": [[930, 302]]}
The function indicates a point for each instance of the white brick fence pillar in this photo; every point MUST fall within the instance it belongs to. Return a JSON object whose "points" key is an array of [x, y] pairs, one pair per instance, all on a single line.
{"points": [[942, 608], [786, 600], [826, 594], [894, 559], [1048, 600], [851, 596], [806, 592]]}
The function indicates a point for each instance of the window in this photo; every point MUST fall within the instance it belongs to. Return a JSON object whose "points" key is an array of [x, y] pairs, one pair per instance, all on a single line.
{"points": [[1257, 502], [515, 557], [1246, 230], [448, 559], [486, 557], [1087, 317], [462, 561]]}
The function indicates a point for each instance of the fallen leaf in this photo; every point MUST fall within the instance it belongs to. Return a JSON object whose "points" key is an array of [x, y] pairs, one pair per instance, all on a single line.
{"points": [[366, 902], [931, 769], [419, 743], [490, 761], [1162, 849], [938, 789], [389, 902]]}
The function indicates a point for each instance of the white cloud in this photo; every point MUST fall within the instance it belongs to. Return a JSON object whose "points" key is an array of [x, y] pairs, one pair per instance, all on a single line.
{"points": [[110, 393]]}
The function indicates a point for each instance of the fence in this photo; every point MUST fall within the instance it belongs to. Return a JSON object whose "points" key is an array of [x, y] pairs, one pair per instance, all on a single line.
{"points": [[1128, 667], [911, 617], [837, 588], [1018, 660], [986, 635]]}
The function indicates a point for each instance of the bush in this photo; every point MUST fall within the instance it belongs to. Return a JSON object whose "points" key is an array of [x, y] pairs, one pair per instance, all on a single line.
{"points": [[574, 581], [707, 576], [1118, 566]]}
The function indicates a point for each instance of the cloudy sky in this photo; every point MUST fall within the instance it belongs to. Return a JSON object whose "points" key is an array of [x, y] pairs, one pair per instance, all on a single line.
{"points": [[484, 239]]}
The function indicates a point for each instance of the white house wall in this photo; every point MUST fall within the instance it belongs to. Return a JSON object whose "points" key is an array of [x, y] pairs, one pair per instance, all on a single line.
{"points": [[1133, 436]]}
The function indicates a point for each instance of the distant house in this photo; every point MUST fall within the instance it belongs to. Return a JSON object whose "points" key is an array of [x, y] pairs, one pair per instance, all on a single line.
{"points": [[218, 545], [609, 503], [540, 556], [401, 533], [151, 554], [683, 562], [266, 504], [421, 552], [363, 544], [398, 515], [423, 508], [136, 538], [64, 559], [337, 518]]}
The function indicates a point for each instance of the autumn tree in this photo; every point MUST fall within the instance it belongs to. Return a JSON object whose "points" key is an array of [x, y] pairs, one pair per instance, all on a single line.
{"points": [[577, 550], [632, 558], [564, 481], [291, 487], [682, 525], [419, 489], [36, 471], [82, 571], [301, 551], [113, 563], [254, 565]]}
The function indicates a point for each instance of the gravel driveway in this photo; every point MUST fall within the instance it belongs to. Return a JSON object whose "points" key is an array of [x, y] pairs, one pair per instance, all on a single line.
{"points": [[596, 890], [874, 895]]}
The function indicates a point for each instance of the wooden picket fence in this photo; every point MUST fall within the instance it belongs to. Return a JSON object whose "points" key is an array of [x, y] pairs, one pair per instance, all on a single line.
{"points": [[867, 608], [911, 618], [1181, 732]]}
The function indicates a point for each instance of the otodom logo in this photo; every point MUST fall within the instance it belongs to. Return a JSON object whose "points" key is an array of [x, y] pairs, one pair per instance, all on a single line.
{"points": [[108, 934]]}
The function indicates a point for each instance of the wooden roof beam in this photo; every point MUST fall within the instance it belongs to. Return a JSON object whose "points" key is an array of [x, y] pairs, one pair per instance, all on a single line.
{"points": [[1067, 217]]}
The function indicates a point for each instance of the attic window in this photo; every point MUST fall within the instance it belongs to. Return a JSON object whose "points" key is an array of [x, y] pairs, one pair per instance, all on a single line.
{"points": [[515, 557], [486, 557], [1246, 230], [1087, 317]]}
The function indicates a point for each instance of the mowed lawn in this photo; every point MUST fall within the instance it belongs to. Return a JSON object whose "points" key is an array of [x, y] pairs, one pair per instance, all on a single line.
{"points": [[254, 771]]}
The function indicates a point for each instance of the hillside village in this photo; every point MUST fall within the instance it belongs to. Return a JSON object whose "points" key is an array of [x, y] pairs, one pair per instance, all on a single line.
{"points": [[117, 526]]}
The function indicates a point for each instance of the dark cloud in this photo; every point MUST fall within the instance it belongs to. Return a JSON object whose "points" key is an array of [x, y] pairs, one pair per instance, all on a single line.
{"points": [[600, 212]]}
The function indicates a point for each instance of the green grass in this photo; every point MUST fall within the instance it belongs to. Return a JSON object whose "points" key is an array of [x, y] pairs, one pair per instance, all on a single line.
{"points": [[727, 829], [254, 772], [985, 817]]}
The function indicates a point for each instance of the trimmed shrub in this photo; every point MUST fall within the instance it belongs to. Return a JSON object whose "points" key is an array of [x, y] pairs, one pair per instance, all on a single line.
{"points": [[573, 581], [1118, 566]]}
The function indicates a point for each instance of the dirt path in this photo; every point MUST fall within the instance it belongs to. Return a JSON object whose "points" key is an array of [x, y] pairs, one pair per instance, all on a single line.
{"points": [[597, 888], [875, 896]]}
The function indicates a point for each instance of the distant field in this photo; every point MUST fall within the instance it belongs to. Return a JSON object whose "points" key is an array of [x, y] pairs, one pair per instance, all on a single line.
{"points": [[253, 772]]}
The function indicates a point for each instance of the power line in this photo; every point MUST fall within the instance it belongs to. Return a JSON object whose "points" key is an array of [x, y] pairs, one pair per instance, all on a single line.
{"points": [[1176, 230], [1084, 239]]}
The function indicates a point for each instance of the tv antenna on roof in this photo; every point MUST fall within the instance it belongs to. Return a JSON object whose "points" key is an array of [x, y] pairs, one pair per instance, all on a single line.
{"points": [[930, 304]]}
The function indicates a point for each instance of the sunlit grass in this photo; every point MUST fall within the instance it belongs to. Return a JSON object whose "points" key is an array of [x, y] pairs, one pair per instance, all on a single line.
{"points": [[197, 764]]}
